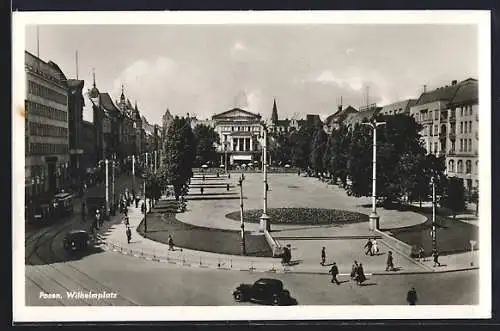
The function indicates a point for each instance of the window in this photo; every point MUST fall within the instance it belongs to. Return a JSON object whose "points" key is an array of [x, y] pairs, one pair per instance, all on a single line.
{"points": [[465, 127], [435, 147], [451, 166], [453, 146], [430, 130], [460, 166], [436, 130], [436, 114], [470, 126], [468, 166], [461, 145], [461, 127], [470, 110], [465, 145], [470, 145], [461, 111]]}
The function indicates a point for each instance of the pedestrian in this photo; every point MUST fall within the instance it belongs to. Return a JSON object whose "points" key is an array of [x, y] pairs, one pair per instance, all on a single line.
{"points": [[435, 254], [227, 187], [368, 247], [375, 248], [390, 262], [411, 297], [143, 207], [323, 256], [126, 220], [201, 190], [129, 234], [137, 201], [170, 243], [354, 269], [360, 277], [421, 254], [334, 271], [98, 217]]}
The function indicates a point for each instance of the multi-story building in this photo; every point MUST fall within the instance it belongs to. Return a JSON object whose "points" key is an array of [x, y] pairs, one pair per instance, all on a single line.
{"points": [[364, 114], [431, 111], [276, 125], [463, 138], [334, 121], [46, 132], [75, 118], [239, 131], [131, 128]]}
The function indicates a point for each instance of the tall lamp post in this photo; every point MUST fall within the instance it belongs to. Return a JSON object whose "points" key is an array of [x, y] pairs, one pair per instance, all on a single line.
{"points": [[374, 218], [145, 205], [433, 233], [242, 226], [156, 157], [113, 181], [265, 224], [107, 187], [226, 143], [133, 172]]}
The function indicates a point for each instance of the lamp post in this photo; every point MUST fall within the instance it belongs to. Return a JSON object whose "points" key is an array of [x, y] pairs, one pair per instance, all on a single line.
{"points": [[113, 182], [433, 233], [107, 186], [156, 153], [133, 172], [265, 224], [242, 226], [374, 218], [226, 143], [145, 206]]}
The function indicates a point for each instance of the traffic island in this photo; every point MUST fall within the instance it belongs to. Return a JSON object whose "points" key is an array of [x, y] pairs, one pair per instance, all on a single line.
{"points": [[161, 225]]}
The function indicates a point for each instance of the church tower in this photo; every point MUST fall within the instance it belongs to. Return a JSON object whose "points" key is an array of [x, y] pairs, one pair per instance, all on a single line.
{"points": [[274, 114]]}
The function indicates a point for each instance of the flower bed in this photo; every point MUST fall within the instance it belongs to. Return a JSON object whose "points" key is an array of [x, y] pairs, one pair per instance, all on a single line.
{"points": [[302, 216]]}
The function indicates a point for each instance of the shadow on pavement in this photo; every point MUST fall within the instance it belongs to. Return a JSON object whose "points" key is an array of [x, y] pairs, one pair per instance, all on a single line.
{"points": [[203, 197]]}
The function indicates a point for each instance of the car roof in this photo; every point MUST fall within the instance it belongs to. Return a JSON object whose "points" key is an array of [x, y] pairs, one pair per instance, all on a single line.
{"points": [[77, 232], [62, 195], [270, 281]]}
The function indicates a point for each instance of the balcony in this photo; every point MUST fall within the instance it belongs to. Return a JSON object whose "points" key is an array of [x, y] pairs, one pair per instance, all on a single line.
{"points": [[452, 135]]}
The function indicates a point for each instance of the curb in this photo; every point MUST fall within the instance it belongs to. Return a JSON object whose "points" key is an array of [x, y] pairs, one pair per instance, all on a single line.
{"points": [[329, 237]]}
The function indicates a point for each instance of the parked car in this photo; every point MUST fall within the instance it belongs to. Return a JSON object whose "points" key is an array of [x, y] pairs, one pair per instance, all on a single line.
{"points": [[265, 291], [76, 240]]}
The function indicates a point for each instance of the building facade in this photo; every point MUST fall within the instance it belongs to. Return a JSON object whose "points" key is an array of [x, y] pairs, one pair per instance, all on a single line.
{"points": [[400, 107], [334, 121], [46, 127], [239, 131], [75, 122]]}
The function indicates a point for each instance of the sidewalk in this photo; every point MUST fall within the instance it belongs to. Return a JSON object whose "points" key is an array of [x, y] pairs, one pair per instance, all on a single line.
{"points": [[307, 259]]}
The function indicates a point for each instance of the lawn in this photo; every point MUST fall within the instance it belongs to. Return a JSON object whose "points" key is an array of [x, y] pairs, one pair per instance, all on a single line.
{"points": [[302, 216], [161, 222], [452, 236]]}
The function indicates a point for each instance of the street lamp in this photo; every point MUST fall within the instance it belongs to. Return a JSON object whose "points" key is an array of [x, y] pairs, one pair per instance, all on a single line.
{"points": [[113, 182], [374, 218], [107, 186], [133, 172], [242, 226], [265, 224], [226, 144], [145, 205], [433, 232]]}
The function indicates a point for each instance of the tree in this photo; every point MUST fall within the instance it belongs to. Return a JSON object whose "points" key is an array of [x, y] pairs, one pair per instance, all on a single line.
{"points": [[336, 154], [318, 149], [359, 161], [279, 147], [474, 198], [179, 155], [205, 139], [153, 185], [454, 195]]}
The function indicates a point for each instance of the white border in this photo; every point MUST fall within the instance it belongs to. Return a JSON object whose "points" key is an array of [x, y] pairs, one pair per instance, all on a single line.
{"points": [[21, 313]]}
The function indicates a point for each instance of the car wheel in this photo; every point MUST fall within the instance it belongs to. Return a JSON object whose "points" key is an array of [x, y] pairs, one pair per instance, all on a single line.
{"points": [[276, 300], [238, 296]]}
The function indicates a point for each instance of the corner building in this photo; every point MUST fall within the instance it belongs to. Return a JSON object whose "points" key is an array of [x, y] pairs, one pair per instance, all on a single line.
{"points": [[46, 127]]}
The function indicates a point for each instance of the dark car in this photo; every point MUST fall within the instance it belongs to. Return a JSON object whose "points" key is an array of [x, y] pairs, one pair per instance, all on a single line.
{"points": [[76, 240], [265, 291]]}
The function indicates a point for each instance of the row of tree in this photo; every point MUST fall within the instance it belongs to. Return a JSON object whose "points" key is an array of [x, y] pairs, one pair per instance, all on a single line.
{"points": [[184, 148], [404, 169]]}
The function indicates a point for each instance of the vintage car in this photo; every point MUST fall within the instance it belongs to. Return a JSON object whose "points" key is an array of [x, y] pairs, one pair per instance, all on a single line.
{"points": [[265, 291], [76, 240], [39, 212]]}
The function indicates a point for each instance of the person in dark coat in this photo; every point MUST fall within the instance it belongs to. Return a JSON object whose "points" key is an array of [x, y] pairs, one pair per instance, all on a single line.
{"points": [[227, 187], [334, 271], [323, 256], [411, 297], [170, 243], [435, 255], [368, 247], [354, 269], [128, 232], [390, 262], [360, 277]]}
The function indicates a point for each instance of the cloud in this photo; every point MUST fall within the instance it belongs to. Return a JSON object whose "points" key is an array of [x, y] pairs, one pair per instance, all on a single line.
{"points": [[355, 83], [241, 52]]}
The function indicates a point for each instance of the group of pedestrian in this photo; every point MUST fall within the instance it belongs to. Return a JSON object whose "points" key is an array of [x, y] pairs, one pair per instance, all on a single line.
{"points": [[358, 273], [371, 247]]}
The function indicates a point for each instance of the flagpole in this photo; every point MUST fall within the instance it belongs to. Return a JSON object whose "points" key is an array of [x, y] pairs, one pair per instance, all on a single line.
{"points": [[37, 41]]}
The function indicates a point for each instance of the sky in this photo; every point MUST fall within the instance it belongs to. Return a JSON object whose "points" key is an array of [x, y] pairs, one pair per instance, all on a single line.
{"points": [[207, 69]]}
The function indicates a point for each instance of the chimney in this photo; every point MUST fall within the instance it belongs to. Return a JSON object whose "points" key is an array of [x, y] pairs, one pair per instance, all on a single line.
{"points": [[453, 82], [425, 88]]}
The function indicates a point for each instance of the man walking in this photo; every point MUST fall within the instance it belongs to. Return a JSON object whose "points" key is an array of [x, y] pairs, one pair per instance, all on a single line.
{"points": [[354, 269], [170, 243], [368, 247], [411, 297], [435, 254], [128, 232], [323, 256], [390, 262], [334, 271]]}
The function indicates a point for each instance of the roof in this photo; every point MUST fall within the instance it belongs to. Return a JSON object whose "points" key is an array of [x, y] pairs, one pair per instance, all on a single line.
{"points": [[340, 115], [75, 83], [107, 103], [360, 116], [445, 93], [467, 92], [236, 110]]}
